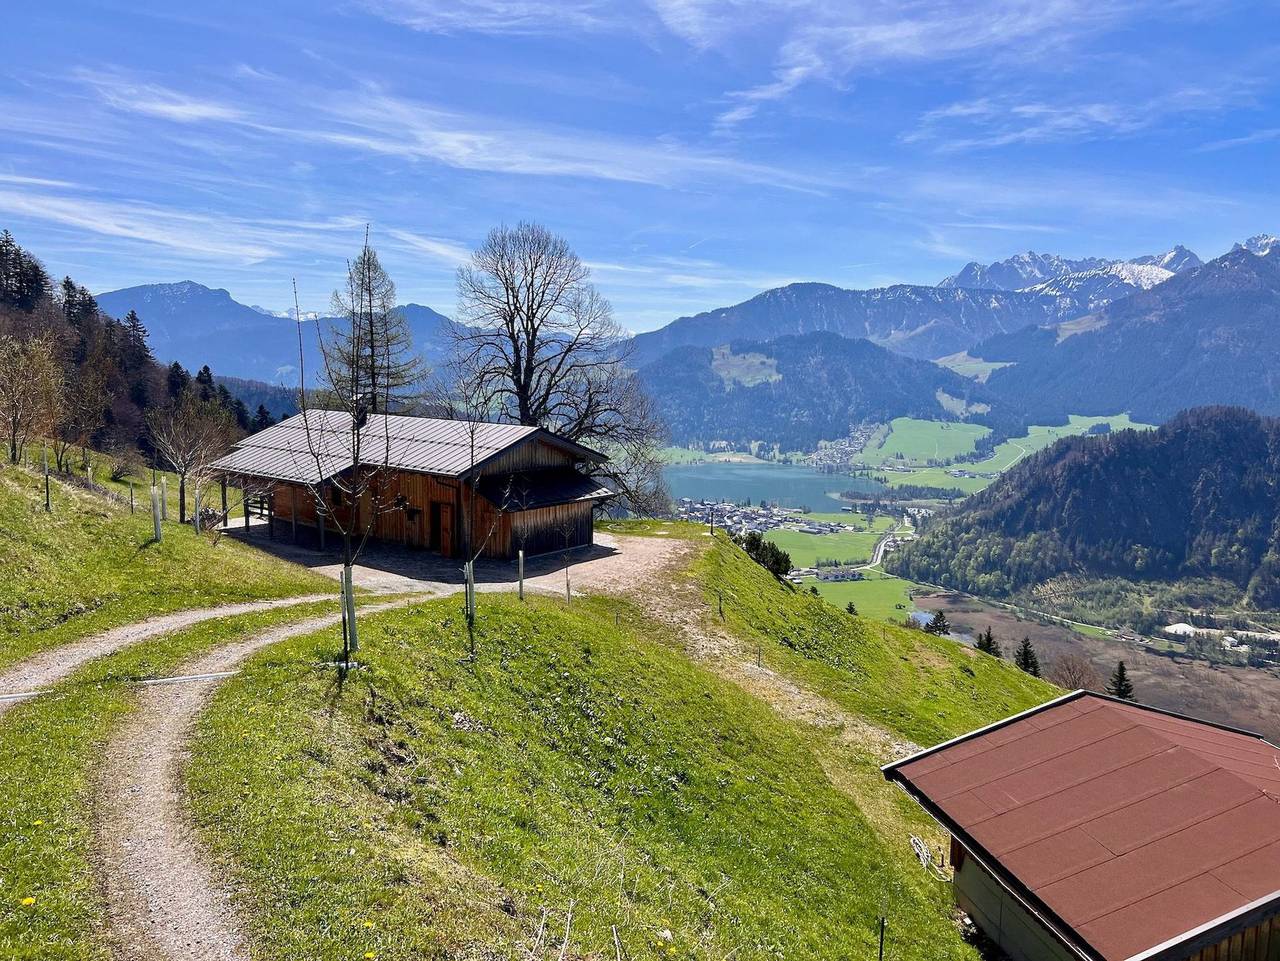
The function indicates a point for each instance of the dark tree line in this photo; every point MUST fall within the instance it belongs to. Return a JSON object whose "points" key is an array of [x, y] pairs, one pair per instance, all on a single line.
{"points": [[105, 383]]}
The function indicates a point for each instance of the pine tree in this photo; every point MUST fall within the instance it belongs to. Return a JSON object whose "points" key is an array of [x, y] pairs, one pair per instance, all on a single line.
{"points": [[851, 608], [939, 625], [987, 643], [1026, 658], [1120, 685], [262, 419]]}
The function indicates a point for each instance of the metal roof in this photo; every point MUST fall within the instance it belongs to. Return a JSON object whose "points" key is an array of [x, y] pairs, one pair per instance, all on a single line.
{"points": [[544, 488], [311, 447], [1133, 830]]}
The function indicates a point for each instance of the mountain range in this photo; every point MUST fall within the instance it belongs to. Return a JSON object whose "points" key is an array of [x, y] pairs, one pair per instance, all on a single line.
{"points": [[197, 325], [796, 390], [1206, 336]]}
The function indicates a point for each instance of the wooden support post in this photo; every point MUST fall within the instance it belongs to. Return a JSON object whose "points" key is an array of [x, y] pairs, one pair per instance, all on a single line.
{"points": [[222, 484], [293, 510], [244, 492], [130, 497], [271, 516]]}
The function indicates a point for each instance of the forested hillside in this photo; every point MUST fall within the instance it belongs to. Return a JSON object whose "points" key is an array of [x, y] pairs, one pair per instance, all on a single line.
{"points": [[1199, 497], [798, 390]]}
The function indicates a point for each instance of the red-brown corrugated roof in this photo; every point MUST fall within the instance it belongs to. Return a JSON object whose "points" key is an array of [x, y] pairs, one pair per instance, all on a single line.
{"points": [[1131, 826]]}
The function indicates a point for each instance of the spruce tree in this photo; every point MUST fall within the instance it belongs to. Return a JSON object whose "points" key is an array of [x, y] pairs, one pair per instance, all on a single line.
{"points": [[1026, 658], [939, 625], [262, 418], [1120, 685], [987, 643], [851, 608]]}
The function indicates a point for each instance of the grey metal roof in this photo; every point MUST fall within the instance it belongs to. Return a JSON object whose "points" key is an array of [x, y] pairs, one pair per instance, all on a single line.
{"points": [[543, 488], [311, 447]]}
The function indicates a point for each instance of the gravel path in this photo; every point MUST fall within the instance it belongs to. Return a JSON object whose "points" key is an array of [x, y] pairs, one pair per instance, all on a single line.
{"points": [[163, 899], [51, 666]]}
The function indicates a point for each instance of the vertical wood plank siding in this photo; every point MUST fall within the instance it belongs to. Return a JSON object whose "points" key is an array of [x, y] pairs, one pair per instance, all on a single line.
{"points": [[1258, 943], [540, 531]]}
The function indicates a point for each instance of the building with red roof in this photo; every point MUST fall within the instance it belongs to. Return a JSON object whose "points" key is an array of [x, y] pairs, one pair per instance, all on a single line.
{"points": [[1094, 828]]}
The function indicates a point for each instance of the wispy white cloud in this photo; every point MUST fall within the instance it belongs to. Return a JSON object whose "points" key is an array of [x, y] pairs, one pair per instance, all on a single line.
{"points": [[34, 181], [447, 251], [1247, 140], [531, 17], [155, 100], [828, 41], [987, 122]]}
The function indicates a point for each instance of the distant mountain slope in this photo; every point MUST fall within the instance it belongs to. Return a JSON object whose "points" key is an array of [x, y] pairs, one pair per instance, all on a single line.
{"points": [[796, 390], [1177, 260], [1207, 336], [1262, 245], [1199, 497], [1019, 271], [196, 325], [1094, 289], [922, 322]]}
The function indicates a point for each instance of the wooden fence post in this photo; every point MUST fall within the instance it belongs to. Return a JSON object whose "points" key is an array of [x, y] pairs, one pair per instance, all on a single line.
{"points": [[156, 513], [164, 498], [48, 504], [130, 497]]}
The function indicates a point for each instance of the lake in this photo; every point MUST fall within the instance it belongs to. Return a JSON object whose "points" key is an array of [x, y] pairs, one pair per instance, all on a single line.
{"points": [[785, 484]]}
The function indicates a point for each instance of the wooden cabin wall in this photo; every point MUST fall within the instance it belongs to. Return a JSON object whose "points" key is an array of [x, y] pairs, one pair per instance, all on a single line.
{"points": [[543, 529], [533, 455], [1258, 943]]}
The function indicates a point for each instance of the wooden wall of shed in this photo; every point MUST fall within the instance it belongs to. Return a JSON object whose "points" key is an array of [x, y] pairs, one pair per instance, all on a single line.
{"points": [[410, 525], [543, 529], [531, 455], [1258, 943]]}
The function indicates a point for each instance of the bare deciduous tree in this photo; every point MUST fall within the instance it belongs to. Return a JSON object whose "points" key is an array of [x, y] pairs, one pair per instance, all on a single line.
{"points": [[1075, 672], [82, 413], [30, 389], [190, 434], [542, 348]]}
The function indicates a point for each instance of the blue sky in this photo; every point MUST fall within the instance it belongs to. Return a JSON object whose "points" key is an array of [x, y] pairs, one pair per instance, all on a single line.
{"points": [[693, 151]]}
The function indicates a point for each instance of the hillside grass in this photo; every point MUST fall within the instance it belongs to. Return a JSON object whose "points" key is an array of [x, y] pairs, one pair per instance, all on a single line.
{"points": [[51, 745], [433, 806], [582, 771], [91, 565], [921, 687]]}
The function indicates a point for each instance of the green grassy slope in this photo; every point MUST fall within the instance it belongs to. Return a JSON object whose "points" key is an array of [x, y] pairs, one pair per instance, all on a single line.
{"points": [[90, 565], [435, 807]]}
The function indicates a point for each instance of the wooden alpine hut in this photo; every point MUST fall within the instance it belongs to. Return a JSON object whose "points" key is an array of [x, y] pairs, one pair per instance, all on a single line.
{"points": [[441, 485]]}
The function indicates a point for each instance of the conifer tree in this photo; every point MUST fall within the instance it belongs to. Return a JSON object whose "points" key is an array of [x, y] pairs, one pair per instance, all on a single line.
{"points": [[262, 419], [1120, 685], [988, 644], [851, 608], [939, 625], [1026, 658]]}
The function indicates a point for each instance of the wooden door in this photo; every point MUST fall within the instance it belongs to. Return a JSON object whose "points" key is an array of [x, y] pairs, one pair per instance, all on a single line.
{"points": [[446, 530]]}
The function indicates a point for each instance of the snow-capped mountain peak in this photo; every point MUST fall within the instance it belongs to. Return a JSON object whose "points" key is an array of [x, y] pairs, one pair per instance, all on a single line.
{"points": [[1261, 244], [1178, 259], [1019, 271], [1099, 287]]}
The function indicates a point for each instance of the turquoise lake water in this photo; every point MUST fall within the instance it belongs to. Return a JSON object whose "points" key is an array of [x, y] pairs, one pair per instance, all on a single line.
{"points": [[784, 484]]}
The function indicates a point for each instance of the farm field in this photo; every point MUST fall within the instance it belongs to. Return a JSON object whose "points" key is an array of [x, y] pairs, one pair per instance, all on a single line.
{"points": [[849, 546], [919, 441], [1006, 454], [876, 597]]}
